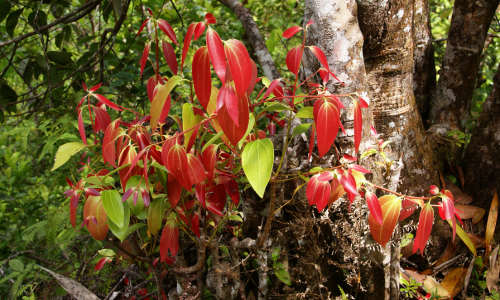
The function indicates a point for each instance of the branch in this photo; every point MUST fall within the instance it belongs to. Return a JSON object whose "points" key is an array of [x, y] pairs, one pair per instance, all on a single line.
{"points": [[265, 59], [71, 17]]}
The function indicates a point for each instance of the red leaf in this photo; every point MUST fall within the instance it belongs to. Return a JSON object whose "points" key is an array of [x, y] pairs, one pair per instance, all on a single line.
{"points": [[187, 42], [233, 132], [311, 141], [293, 59], [359, 168], [169, 54], [94, 208], [448, 205], [195, 224], [102, 120], [81, 127], [108, 143], [196, 171], [216, 51], [253, 79], [348, 183], [167, 145], [349, 157], [209, 158], [199, 191], [233, 191], [309, 23], [168, 30], [239, 64], [174, 190], [134, 162], [322, 59], [326, 176], [228, 97], [374, 207], [327, 119], [127, 156], [291, 31], [424, 229], [323, 73], [216, 199], [95, 87], [177, 164], [169, 240], [100, 264], [318, 192], [145, 55], [142, 26], [202, 80], [434, 190], [373, 131], [358, 126], [363, 103], [199, 29], [106, 101], [408, 207], [72, 215], [271, 88], [210, 19], [84, 86], [391, 206]]}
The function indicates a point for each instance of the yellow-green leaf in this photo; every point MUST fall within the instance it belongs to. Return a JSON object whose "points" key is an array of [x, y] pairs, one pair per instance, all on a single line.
{"points": [[257, 160], [65, 152], [465, 238]]}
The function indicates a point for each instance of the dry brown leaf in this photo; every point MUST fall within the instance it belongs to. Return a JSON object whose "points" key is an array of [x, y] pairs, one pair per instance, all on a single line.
{"points": [[492, 222], [74, 288], [461, 176], [454, 281], [432, 285], [418, 278], [467, 279], [467, 211], [448, 254], [493, 271], [458, 195], [477, 241], [478, 216]]}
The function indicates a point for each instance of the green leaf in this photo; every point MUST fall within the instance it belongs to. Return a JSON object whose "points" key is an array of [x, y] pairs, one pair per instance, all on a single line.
{"points": [[277, 107], [60, 57], [107, 252], [385, 144], [281, 273], [86, 39], [12, 20], [302, 128], [212, 140], [133, 182], [120, 232], [133, 228], [156, 213], [368, 153], [257, 160], [160, 98], [113, 206], [4, 9], [235, 218], [65, 152], [17, 265], [305, 112], [465, 238]]}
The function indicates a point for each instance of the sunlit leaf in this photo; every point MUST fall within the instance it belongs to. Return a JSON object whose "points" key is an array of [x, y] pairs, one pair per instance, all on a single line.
{"points": [[391, 206], [257, 160]]}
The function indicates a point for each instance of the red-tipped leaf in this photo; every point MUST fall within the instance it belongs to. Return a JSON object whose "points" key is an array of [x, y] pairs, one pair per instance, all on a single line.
{"points": [[290, 32], [168, 30], [216, 51], [202, 80]]}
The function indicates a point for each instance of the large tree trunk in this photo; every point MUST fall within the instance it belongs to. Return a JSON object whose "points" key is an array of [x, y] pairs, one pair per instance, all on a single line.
{"points": [[482, 159], [424, 69], [468, 30]]}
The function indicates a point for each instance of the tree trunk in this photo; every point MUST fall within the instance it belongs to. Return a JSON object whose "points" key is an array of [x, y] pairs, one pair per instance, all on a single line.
{"points": [[468, 30], [424, 69], [482, 159]]}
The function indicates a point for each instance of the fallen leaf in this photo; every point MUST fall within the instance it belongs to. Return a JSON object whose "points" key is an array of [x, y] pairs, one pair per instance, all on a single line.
{"points": [[74, 288], [468, 211], [432, 286], [493, 271], [492, 222], [447, 254], [458, 195], [477, 240], [467, 279], [453, 281]]}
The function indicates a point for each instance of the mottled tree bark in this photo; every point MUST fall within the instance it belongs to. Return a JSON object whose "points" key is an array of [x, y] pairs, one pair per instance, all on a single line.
{"points": [[424, 70], [482, 159], [468, 30], [388, 51]]}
